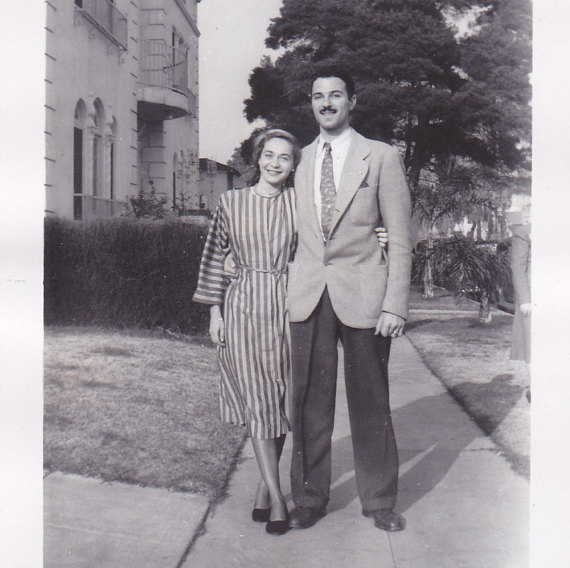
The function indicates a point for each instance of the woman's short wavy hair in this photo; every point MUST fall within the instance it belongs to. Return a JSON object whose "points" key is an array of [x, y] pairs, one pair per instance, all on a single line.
{"points": [[262, 139]]}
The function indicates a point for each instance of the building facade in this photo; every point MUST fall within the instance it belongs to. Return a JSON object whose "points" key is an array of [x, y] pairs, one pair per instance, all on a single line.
{"points": [[121, 104], [215, 179]]}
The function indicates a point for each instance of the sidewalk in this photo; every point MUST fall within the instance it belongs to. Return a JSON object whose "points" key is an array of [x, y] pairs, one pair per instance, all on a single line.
{"points": [[463, 504]]}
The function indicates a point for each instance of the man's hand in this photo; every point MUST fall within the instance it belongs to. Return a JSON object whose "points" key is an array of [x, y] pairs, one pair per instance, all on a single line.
{"points": [[525, 310], [382, 236], [217, 326], [390, 325]]}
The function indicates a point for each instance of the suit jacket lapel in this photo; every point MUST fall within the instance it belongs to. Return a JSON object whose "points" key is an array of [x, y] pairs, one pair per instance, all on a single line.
{"points": [[354, 171], [305, 186]]}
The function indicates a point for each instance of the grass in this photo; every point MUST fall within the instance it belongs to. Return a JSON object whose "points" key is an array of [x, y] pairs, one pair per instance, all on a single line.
{"points": [[473, 361], [137, 407], [142, 407]]}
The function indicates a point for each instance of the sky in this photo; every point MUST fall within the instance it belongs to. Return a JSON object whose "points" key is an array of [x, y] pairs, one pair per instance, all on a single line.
{"points": [[232, 42]]}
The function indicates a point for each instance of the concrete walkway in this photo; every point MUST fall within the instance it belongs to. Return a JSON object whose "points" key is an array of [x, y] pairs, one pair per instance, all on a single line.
{"points": [[464, 506]]}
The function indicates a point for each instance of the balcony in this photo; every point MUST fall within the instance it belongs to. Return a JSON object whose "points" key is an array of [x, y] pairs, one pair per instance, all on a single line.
{"points": [[106, 18], [89, 207], [163, 91]]}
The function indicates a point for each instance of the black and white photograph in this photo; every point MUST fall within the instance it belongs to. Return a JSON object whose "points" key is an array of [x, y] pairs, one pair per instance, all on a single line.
{"points": [[284, 284]]}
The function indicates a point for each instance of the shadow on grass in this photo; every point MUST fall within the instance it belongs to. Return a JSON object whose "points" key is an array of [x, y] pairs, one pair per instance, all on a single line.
{"points": [[477, 400]]}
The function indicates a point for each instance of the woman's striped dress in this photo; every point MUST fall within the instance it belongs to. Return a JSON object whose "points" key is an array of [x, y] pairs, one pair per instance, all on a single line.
{"points": [[255, 361]]}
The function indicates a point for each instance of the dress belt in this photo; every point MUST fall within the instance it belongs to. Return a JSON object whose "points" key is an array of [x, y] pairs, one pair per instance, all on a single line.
{"points": [[263, 270]]}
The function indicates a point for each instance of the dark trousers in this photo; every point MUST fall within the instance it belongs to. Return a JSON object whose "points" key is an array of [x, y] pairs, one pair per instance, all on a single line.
{"points": [[315, 358]]}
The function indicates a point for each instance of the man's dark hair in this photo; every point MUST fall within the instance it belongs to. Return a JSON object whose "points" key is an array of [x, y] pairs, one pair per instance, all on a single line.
{"points": [[339, 73]]}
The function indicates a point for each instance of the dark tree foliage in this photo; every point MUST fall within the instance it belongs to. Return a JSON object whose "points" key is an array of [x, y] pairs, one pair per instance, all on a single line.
{"points": [[499, 58], [418, 84]]}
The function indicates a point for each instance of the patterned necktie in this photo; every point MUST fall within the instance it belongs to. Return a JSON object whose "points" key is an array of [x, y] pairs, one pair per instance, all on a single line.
{"points": [[328, 191]]}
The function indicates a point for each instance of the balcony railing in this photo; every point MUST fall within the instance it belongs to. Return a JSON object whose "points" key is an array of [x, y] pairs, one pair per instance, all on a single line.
{"points": [[164, 66], [88, 207], [105, 17]]}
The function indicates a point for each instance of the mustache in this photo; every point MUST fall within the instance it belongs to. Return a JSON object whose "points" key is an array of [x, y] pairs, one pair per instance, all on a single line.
{"points": [[328, 107]]}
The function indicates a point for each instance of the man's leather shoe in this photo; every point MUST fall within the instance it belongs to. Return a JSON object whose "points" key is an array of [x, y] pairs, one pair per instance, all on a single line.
{"points": [[388, 520], [304, 517]]}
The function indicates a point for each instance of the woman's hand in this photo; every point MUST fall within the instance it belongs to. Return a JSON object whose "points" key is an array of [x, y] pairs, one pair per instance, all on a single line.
{"points": [[526, 310], [230, 266], [217, 326], [382, 236]]}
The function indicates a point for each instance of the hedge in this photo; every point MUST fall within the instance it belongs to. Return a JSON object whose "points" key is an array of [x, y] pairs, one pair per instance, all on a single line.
{"points": [[123, 273]]}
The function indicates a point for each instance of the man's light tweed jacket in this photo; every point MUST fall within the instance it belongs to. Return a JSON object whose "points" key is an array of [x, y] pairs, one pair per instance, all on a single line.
{"points": [[362, 280]]}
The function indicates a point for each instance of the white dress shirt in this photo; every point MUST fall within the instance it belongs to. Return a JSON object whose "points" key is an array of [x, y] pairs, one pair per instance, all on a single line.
{"points": [[339, 151]]}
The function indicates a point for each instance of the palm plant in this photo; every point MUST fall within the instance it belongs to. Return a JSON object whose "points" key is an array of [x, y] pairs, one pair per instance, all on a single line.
{"points": [[446, 195], [475, 271]]}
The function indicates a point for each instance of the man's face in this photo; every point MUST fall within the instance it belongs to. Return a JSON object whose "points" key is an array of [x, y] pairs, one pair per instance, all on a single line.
{"points": [[331, 105]]}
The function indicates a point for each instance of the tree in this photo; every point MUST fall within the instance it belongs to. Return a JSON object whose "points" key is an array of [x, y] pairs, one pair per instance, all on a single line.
{"points": [[499, 57], [240, 159], [457, 104], [413, 87]]}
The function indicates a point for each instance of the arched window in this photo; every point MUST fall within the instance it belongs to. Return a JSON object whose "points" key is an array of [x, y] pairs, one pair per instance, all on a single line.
{"points": [[78, 128], [112, 160], [99, 122]]}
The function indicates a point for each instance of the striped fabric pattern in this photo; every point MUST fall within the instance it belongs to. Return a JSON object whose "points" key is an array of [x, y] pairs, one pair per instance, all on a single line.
{"points": [[255, 362]]}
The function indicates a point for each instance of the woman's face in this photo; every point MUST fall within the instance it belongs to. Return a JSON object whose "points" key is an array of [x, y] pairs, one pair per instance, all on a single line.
{"points": [[276, 161]]}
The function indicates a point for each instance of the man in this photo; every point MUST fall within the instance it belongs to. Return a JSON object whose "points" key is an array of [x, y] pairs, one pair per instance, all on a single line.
{"points": [[342, 286]]}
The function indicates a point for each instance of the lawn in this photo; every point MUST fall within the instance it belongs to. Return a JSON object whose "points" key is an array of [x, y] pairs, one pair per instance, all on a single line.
{"points": [[141, 407], [138, 407], [472, 361]]}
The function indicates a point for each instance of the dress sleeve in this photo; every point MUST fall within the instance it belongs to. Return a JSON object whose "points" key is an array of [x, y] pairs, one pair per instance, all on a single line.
{"points": [[212, 283]]}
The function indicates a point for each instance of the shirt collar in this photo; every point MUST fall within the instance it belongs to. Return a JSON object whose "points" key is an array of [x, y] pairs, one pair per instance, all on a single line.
{"points": [[338, 143]]}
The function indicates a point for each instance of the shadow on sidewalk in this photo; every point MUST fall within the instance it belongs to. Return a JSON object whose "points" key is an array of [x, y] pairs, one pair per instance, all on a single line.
{"points": [[433, 427]]}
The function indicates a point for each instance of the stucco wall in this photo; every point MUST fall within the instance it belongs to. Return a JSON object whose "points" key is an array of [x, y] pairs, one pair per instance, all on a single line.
{"points": [[83, 64]]}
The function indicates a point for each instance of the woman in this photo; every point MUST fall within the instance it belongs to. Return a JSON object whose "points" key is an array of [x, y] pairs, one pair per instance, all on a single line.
{"points": [[253, 230], [256, 225], [520, 268]]}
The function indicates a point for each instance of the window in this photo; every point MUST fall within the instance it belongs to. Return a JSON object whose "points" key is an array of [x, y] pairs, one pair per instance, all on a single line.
{"points": [[77, 171], [97, 182], [79, 121], [113, 137], [96, 163], [112, 171]]}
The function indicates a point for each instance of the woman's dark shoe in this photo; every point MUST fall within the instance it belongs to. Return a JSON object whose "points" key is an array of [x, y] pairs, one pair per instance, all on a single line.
{"points": [[277, 527], [260, 515]]}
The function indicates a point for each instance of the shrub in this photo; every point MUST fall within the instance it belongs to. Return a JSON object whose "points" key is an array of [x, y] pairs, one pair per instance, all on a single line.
{"points": [[147, 205], [479, 271], [123, 272]]}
